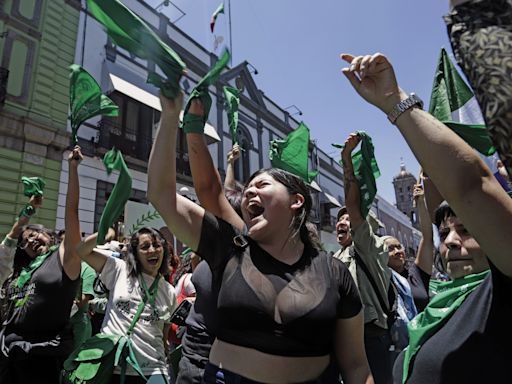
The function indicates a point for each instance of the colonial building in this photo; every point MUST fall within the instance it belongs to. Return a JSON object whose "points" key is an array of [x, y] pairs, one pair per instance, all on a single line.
{"points": [[37, 44], [404, 186], [39, 98]]}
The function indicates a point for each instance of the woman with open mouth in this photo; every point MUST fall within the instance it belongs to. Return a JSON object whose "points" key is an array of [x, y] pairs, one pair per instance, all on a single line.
{"points": [[128, 281], [43, 279], [285, 307]]}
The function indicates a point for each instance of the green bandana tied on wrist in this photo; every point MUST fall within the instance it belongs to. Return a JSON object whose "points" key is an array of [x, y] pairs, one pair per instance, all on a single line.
{"points": [[130, 32], [232, 96], [193, 123], [366, 171], [292, 153], [113, 160], [86, 100], [441, 308]]}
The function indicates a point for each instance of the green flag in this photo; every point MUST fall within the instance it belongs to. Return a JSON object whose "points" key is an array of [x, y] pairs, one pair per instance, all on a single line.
{"points": [[130, 32], [291, 154], [86, 99], [232, 96], [33, 186], [193, 123], [366, 171], [453, 103], [218, 11], [113, 160]]}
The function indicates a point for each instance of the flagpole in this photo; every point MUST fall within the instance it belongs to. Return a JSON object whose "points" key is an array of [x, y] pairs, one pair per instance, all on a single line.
{"points": [[230, 35]]}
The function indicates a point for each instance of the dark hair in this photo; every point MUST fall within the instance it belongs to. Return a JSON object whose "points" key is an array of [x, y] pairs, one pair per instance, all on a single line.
{"points": [[293, 184], [132, 259], [442, 213], [234, 197], [21, 259], [184, 267]]}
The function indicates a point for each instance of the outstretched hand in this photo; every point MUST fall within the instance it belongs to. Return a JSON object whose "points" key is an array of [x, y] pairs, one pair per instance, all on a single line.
{"points": [[75, 156], [352, 141], [36, 201], [234, 153], [172, 106], [196, 107], [373, 78]]}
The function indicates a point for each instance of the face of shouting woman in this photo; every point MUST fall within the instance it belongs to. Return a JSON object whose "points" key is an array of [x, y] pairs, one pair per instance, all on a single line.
{"points": [[35, 242], [150, 253]]}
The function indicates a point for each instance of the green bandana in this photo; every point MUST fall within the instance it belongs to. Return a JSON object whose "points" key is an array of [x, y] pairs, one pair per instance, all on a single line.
{"points": [[28, 271], [193, 123], [450, 296], [86, 99], [33, 186], [366, 171], [232, 96], [130, 32], [292, 153], [113, 160]]}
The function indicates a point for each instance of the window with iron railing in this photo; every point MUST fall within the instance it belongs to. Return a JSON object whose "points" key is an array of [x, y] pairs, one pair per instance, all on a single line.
{"points": [[134, 129]]}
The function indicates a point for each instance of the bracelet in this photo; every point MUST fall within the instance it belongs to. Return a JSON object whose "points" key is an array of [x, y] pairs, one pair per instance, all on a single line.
{"points": [[27, 211]]}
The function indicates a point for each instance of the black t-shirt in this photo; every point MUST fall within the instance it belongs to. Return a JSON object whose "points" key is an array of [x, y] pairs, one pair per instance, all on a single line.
{"points": [[419, 281], [474, 346], [203, 314], [281, 309], [47, 300]]}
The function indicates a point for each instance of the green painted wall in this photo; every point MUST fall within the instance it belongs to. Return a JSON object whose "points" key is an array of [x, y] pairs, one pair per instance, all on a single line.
{"points": [[12, 199], [43, 41], [39, 48]]}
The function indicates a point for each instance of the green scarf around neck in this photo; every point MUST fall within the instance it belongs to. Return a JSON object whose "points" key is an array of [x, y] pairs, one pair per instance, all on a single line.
{"points": [[450, 296], [29, 270]]}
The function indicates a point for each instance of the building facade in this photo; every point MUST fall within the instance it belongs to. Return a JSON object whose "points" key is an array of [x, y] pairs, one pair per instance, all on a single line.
{"points": [[83, 41], [37, 44]]}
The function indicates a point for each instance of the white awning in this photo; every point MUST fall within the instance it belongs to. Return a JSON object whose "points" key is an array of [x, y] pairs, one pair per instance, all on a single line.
{"points": [[153, 101], [332, 200], [314, 185]]}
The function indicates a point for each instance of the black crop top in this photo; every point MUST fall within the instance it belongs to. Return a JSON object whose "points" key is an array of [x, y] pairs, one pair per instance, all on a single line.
{"points": [[273, 307]]}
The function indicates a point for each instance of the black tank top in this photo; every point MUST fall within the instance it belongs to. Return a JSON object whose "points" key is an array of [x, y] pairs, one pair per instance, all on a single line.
{"points": [[41, 308]]}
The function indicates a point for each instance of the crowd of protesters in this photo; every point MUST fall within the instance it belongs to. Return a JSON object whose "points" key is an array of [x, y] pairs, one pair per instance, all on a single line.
{"points": [[255, 298]]}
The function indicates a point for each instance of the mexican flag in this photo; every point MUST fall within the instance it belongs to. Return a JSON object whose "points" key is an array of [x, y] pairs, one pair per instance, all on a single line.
{"points": [[453, 103]]}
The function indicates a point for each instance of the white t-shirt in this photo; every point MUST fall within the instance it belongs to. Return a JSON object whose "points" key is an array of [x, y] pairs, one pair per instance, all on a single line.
{"points": [[124, 299]]}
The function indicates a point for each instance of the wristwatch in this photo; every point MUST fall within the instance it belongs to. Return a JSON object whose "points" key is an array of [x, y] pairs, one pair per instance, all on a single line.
{"points": [[412, 101]]}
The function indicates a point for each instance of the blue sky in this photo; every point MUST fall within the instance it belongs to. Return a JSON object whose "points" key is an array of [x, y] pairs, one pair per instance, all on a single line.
{"points": [[295, 46]]}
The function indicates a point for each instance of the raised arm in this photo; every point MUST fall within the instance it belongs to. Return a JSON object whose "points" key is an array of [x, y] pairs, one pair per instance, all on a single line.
{"points": [[352, 192], [182, 216], [68, 254], [207, 182], [233, 156], [454, 167], [96, 258], [425, 253], [23, 218]]}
